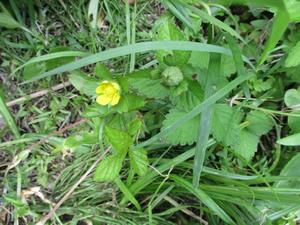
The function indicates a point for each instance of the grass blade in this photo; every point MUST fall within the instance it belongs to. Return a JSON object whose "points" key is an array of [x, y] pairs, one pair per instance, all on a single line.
{"points": [[206, 118], [8, 117], [137, 48], [203, 197]]}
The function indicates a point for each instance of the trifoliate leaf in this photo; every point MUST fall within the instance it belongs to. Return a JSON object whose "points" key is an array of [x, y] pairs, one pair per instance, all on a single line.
{"points": [[109, 168], [225, 124], [139, 161], [152, 88], [294, 56], [260, 123], [184, 134], [120, 140]]}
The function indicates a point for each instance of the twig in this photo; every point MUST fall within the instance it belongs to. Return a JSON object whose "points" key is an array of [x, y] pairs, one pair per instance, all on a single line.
{"points": [[38, 94], [66, 196]]}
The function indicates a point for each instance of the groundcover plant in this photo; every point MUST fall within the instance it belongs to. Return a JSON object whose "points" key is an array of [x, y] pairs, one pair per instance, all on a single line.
{"points": [[150, 112]]}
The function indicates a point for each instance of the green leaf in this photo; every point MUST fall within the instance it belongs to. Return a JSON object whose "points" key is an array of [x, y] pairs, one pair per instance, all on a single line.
{"points": [[120, 140], [204, 198], [8, 21], [184, 134], [292, 140], [109, 168], [291, 169], [139, 161], [293, 122], [294, 56], [4, 111], [141, 82], [247, 145], [95, 110], [34, 70], [166, 29], [81, 139], [260, 123], [292, 98], [129, 102], [83, 83], [102, 72], [225, 124], [56, 62], [135, 126]]}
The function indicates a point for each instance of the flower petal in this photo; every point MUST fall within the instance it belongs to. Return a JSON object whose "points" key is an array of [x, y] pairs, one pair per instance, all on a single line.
{"points": [[103, 99], [115, 100]]}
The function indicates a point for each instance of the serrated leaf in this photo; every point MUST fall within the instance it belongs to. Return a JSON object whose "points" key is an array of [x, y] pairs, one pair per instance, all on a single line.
{"points": [[260, 123], [152, 88], [165, 29], [139, 161], [83, 83], [294, 56], [189, 98], [225, 124], [183, 134], [120, 140], [247, 145], [109, 168]]}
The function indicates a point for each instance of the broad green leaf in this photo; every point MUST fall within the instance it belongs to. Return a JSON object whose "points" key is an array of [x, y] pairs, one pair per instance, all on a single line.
{"points": [[139, 161], [109, 168], [4, 111], [8, 21], [166, 29], [34, 70], [259, 123], [204, 198], [184, 134], [292, 140], [129, 102], [225, 124], [83, 83], [291, 169], [294, 56], [120, 140], [141, 82]]}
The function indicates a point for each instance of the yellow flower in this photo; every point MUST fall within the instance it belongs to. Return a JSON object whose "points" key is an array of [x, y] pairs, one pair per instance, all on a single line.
{"points": [[109, 93]]}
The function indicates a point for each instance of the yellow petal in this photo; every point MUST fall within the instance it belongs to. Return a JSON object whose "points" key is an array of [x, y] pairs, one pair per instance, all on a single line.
{"points": [[116, 86], [103, 100], [115, 100]]}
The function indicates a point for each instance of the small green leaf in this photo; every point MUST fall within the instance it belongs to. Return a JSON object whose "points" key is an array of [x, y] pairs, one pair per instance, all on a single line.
{"points": [[294, 56], [247, 145], [109, 168], [120, 140], [33, 70], [260, 123], [83, 83], [135, 126], [186, 133], [292, 98], [95, 110], [139, 161], [102, 72], [292, 140], [84, 138], [129, 102], [294, 122]]}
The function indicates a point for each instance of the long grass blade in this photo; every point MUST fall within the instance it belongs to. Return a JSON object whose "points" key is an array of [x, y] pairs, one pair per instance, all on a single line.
{"points": [[137, 48]]}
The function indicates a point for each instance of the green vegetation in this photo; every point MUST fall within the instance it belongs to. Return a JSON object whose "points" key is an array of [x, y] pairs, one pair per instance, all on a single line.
{"points": [[152, 112]]}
